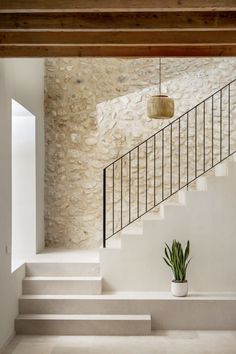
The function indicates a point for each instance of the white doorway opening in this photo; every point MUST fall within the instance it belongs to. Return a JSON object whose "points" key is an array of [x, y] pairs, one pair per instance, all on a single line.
{"points": [[23, 185]]}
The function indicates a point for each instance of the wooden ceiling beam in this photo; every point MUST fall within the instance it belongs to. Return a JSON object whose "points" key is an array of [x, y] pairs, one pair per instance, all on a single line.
{"points": [[136, 20], [117, 51], [119, 38], [119, 28], [118, 5]]}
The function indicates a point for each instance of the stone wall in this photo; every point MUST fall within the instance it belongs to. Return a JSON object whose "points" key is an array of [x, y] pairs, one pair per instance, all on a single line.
{"points": [[95, 112]]}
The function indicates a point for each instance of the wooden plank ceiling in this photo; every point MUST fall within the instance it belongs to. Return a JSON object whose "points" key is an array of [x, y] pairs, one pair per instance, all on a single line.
{"points": [[124, 28]]}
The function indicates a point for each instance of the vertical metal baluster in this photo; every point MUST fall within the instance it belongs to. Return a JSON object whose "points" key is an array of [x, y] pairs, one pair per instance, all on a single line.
{"points": [[113, 198], [212, 133], [121, 196], [229, 118], [104, 208], [179, 152], [171, 159], [195, 142], [204, 136], [154, 166], [220, 124], [162, 165], [146, 176], [138, 183], [129, 187], [187, 151]]}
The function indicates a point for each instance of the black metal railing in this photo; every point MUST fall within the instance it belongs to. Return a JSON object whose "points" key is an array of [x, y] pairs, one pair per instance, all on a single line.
{"points": [[168, 161]]}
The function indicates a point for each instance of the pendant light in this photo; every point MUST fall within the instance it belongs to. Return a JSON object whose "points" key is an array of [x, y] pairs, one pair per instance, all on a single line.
{"points": [[160, 106]]}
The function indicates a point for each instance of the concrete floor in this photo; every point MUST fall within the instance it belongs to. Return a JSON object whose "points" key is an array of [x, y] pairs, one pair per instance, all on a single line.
{"points": [[168, 342]]}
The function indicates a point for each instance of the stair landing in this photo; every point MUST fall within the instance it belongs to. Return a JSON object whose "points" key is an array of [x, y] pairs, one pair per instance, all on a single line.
{"points": [[69, 273]]}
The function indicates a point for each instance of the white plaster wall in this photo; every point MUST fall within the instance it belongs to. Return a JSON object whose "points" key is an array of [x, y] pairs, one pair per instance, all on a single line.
{"points": [[22, 80]]}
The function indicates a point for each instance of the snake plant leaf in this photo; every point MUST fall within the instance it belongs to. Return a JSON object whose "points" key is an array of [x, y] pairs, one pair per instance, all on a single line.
{"points": [[167, 255], [186, 253], [187, 264], [169, 250], [176, 252], [167, 262], [174, 246], [179, 272], [181, 253]]}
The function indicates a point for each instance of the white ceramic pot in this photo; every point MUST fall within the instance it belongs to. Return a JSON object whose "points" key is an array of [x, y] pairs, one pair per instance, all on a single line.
{"points": [[179, 288]]}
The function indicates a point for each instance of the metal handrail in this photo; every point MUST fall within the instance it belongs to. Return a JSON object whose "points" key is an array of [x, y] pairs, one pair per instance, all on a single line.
{"points": [[169, 129]]}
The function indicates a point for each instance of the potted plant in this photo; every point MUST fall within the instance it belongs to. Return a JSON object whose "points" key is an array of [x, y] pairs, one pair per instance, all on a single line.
{"points": [[177, 259]]}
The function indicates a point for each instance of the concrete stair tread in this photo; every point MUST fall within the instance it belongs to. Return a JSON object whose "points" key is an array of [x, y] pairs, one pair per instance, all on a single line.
{"points": [[64, 255], [135, 295], [111, 317], [214, 177], [133, 229], [114, 242], [55, 261], [61, 278], [151, 216], [61, 269], [167, 203]]}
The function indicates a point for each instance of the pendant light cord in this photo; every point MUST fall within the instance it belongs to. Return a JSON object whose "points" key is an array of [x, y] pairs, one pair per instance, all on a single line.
{"points": [[160, 76]]}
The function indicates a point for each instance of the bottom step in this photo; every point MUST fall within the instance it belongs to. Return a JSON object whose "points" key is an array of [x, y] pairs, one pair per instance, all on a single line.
{"points": [[83, 324]]}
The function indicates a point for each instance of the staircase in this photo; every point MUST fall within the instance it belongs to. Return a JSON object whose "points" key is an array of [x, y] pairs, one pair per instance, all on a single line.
{"points": [[47, 287], [179, 183], [168, 161]]}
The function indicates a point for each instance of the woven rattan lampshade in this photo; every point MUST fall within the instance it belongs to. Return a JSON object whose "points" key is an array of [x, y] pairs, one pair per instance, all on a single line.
{"points": [[160, 106]]}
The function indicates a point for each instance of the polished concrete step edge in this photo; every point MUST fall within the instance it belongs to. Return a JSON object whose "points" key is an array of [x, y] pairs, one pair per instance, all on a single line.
{"points": [[68, 269], [83, 324], [140, 295], [62, 278]]}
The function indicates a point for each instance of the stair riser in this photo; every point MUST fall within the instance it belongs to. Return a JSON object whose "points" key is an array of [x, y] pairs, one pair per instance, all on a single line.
{"points": [[221, 169], [60, 287], [201, 184], [214, 183], [128, 240], [231, 167], [63, 269], [172, 210], [211, 183], [184, 314], [82, 327]]}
